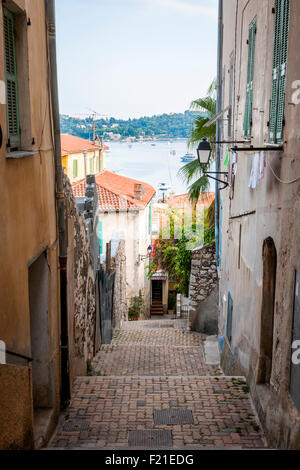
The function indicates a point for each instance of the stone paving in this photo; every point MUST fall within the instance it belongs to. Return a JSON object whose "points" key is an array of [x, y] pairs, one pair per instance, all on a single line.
{"points": [[147, 369]]}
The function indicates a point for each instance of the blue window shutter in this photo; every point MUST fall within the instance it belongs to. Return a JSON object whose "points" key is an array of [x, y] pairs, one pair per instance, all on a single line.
{"points": [[280, 51], [250, 78]]}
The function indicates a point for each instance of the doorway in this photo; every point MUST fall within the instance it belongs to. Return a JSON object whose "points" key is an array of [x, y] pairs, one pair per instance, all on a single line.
{"points": [[157, 298], [39, 333], [267, 312]]}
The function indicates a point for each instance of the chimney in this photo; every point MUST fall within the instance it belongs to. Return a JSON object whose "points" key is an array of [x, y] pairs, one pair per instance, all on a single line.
{"points": [[137, 191]]}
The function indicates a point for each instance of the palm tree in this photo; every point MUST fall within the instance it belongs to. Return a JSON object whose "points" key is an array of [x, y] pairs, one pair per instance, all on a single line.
{"points": [[191, 172]]}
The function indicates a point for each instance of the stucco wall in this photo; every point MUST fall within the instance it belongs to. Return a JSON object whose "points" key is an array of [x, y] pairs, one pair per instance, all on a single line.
{"points": [[16, 417], [132, 227], [274, 210], [28, 216]]}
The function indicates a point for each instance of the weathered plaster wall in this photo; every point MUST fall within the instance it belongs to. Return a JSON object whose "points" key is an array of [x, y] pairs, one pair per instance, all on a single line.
{"points": [[203, 310], [28, 215], [134, 228], [275, 212]]}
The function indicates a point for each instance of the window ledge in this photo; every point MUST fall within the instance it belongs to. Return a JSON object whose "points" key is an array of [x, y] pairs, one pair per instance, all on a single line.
{"points": [[20, 154]]}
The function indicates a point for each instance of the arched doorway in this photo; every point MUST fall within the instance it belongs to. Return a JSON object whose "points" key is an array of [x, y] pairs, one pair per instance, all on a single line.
{"points": [[267, 312]]}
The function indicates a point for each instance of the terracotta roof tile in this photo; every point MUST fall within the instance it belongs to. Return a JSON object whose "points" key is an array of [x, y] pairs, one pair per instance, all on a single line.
{"points": [[73, 144], [205, 198], [116, 192]]}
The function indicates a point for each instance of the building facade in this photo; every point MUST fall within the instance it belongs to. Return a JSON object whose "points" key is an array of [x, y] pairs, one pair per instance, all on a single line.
{"points": [[125, 211], [81, 157], [29, 277], [260, 209]]}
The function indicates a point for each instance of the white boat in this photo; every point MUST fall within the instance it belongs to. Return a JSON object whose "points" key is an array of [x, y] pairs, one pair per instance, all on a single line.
{"points": [[187, 158]]}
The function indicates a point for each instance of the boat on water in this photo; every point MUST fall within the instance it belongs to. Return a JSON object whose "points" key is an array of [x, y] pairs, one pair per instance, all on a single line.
{"points": [[153, 145], [187, 158]]}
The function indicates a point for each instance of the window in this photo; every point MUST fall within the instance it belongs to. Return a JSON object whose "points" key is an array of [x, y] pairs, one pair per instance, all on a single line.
{"points": [[97, 163], [250, 76], [75, 168], [91, 166], [280, 49], [11, 80]]}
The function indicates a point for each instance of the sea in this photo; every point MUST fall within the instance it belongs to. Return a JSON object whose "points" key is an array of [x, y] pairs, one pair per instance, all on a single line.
{"points": [[153, 164]]}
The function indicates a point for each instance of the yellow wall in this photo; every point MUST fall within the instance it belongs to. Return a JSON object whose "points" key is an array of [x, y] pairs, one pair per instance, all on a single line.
{"points": [[28, 215]]}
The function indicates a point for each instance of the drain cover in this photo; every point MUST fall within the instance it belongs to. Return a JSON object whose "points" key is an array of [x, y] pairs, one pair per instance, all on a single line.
{"points": [[166, 326], [173, 416], [152, 438], [76, 425]]}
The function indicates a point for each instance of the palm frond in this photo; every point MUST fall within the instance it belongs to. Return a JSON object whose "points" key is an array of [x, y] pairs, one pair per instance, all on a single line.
{"points": [[200, 185], [190, 171], [207, 104]]}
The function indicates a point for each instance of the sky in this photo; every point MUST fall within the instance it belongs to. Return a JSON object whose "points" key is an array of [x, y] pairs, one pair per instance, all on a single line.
{"points": [[133, 58]]}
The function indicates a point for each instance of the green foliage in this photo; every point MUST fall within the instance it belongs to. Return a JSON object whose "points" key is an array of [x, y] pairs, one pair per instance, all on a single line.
{"points": [[174, 254], [191, 173], [172, 301], [175, 125], [136, 307]]}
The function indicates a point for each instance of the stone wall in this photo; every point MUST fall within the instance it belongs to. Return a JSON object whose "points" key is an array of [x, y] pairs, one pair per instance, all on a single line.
{"points": [[81, 288], [203, 299], [120, 312]]}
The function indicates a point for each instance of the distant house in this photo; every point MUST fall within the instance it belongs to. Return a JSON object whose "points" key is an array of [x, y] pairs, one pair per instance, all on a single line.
{"points": [[81, 157], [125, 207]]}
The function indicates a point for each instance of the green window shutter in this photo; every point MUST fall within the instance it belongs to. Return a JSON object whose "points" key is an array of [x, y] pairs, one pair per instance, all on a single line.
{"points": [[279, 69], [75, 168], [250, 78], [97, 163], [91, 166], [11, 80]]}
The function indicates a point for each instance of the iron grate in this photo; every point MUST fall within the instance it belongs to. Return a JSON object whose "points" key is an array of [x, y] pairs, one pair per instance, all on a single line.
{"points": [[173, 416], [76, 425], [152, 438]]}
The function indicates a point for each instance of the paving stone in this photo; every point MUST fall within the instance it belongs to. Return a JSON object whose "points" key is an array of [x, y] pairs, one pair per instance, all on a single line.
{"points": [[151, 372]]}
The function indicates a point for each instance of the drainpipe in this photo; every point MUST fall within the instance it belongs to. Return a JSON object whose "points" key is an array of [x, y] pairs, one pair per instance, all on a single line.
{"points": [[218, 130], [60, 200]]}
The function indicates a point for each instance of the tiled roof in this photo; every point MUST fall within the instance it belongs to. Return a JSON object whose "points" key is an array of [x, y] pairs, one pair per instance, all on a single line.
{"points": [[205, 198], [73, 144], [116, 192]]}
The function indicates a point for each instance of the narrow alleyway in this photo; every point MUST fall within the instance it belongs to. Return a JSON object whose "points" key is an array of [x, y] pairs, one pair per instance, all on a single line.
{"points": [[152, 388]]}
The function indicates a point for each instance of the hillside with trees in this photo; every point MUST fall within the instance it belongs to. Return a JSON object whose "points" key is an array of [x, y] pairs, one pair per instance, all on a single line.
{"points": [[164, 126]]}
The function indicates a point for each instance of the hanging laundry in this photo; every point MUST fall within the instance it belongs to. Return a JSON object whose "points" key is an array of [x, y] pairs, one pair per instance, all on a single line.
{"points": [[254, 171], [226, 161], [262, 164]]}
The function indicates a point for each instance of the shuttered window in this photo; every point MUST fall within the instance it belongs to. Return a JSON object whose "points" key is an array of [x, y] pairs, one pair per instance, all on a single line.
{"points": [[12, 111], [281, 33], [250, 77], [75, 168]]}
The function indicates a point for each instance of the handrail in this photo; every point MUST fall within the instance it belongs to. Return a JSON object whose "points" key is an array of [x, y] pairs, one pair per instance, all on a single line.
{"points": [[29, 359]]}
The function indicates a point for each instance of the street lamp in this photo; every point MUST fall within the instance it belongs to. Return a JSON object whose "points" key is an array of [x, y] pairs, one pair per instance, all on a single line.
{"points": [[148, 255], [204, 152]]}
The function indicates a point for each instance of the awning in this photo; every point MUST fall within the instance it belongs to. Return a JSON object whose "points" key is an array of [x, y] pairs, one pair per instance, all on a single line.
{"points": [[160, 276], [217, 116]]}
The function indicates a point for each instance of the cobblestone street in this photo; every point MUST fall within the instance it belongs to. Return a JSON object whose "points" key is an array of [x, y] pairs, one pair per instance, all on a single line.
{"points": [[153, 379]]}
